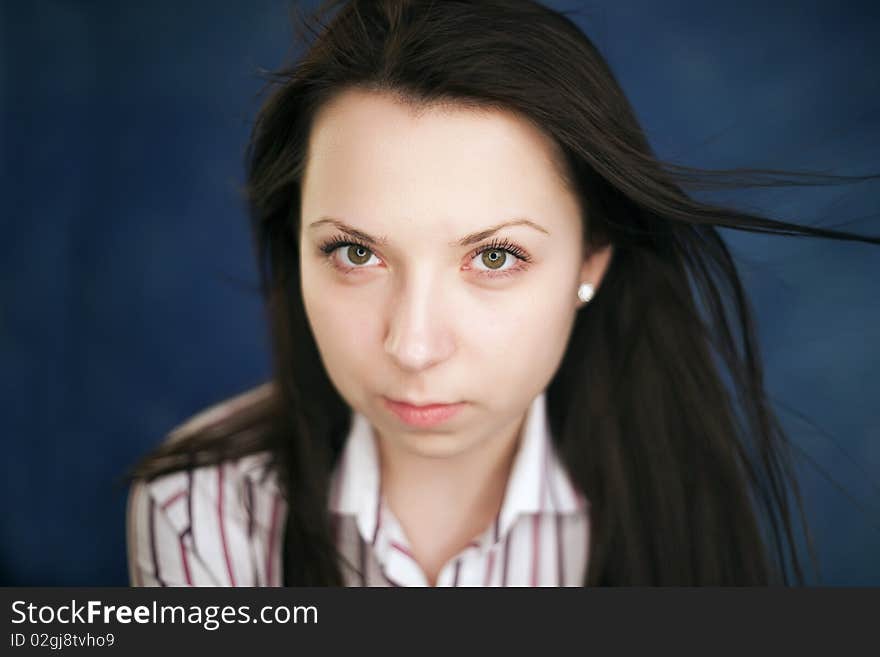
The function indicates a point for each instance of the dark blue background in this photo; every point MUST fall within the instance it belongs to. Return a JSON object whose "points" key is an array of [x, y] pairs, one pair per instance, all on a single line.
{"points": [[127, 297]]}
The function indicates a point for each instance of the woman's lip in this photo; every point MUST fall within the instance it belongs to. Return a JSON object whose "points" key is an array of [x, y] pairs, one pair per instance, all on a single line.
{"points": [[423, 416]]}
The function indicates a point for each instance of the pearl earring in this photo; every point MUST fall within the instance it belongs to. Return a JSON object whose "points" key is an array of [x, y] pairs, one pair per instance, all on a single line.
{"points": [[585, 292]]}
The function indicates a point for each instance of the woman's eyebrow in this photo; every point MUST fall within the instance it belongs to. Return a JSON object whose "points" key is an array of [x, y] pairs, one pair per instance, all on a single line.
{"points": [[467, 240], [473, 238]]}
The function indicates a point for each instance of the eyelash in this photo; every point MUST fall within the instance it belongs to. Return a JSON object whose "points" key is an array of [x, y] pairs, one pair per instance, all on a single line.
{"points": [[502, 244]]}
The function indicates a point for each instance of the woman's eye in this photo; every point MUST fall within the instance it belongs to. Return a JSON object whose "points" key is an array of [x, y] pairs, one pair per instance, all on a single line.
{"points": [[354, 256], [494, 260]]}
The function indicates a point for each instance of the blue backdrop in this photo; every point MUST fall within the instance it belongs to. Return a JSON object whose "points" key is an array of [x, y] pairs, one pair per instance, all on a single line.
{"points": [[127, 294]]}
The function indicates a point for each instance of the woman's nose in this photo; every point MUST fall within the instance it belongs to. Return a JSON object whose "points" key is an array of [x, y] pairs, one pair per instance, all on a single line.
{"points": [[418, 331]]}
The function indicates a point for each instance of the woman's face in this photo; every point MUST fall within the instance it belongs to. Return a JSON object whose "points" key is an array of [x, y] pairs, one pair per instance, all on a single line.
{"points": [[431, 311]]}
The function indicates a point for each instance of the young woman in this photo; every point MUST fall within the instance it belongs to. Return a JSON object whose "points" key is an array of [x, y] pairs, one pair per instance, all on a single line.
{"points": [[509, 348]]}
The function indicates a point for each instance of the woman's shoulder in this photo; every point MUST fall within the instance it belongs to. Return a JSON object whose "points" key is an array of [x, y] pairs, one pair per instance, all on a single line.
{"points": [[213, 525], [254, 470], [238, 479], [197, 524]]}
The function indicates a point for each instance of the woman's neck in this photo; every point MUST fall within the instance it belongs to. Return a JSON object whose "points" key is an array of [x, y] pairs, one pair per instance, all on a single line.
{"points": [[442, 504]]}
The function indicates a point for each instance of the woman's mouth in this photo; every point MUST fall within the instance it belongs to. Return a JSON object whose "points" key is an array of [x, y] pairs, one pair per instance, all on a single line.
{"points": [[423, 416]]}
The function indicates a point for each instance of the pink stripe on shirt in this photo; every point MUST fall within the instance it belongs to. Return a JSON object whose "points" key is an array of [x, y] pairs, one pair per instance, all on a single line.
{"points": [[222, 525], [270, 545]]}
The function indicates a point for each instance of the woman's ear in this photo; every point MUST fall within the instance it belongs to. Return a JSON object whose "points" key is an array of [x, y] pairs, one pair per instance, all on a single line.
{"points": [[595, 265]]}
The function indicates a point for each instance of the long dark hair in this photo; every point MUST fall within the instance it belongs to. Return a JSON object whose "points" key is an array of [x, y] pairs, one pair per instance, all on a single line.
{"points": [[658, 409]]}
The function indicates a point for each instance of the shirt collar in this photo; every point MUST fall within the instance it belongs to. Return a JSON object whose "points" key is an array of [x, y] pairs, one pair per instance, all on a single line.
{"points": [[538, 482], [355, 488]]}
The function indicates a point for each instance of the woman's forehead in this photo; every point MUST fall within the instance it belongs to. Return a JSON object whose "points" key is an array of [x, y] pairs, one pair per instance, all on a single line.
{"points": [[369, 133], [371, 156]]}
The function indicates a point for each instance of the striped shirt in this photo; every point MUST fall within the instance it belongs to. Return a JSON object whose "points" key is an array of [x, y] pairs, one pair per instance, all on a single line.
{"points": [[222, 525]]}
